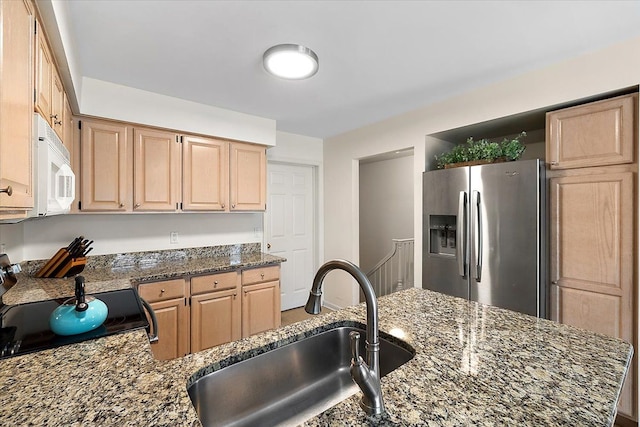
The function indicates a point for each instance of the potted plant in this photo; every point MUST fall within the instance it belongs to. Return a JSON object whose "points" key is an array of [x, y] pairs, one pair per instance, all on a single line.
{"points": [[482, 151]]}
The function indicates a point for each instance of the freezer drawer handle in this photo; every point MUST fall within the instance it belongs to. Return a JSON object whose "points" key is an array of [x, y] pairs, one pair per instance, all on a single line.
{"points": [[478, 238], [461, 234]]}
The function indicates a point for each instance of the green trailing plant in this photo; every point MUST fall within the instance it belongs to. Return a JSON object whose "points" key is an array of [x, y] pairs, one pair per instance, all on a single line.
{"points": [[483, 149]]}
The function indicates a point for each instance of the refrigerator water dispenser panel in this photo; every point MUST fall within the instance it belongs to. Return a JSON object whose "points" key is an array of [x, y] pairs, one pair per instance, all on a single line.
{"points": [[442, 234]]}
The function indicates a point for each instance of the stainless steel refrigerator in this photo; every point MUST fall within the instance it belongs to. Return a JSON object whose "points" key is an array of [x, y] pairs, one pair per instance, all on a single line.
{"points": [[484, 234]]}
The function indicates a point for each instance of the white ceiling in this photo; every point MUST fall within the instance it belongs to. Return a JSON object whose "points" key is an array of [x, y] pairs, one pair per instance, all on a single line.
{"points": [[377, 58]]}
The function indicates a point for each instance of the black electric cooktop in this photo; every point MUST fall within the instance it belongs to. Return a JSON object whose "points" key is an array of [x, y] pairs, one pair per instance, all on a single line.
{"points": [[24, 328]]}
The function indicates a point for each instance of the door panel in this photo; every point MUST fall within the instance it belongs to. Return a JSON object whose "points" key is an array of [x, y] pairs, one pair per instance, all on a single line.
{"points": [[506, 246], [445, 252], [106, 166], [289, 229], [156, 170], [215, 319], [205, 174]]}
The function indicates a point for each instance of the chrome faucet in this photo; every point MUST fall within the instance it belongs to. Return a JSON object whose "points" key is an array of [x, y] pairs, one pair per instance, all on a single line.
{"points": [[366, 375]]}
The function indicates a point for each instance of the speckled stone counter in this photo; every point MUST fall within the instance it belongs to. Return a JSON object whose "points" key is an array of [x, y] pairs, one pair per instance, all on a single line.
{"points": [[128, 270], [474, 365]]}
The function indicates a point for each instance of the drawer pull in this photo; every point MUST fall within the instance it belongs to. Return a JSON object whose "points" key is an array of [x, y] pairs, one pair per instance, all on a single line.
{"points": [[215, 284], [7, 190], [262, 275], [162, 291]]}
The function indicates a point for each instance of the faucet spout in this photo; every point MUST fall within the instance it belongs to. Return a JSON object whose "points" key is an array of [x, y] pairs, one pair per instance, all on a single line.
{"points": [[367, 376]]}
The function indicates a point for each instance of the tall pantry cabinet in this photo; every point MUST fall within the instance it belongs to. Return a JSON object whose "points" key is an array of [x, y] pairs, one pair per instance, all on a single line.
{"points": [[591, 154], [16, 107]]}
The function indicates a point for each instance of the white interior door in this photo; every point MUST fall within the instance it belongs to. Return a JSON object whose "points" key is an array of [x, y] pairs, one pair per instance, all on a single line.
{"points": [[289, 229]]}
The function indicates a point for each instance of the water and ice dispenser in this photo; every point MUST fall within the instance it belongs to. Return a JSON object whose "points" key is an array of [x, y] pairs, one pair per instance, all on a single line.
{"points": [[442, 234]]}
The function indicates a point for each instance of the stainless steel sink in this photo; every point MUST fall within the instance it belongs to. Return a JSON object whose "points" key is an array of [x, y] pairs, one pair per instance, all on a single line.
{"points": [[290, 384]]}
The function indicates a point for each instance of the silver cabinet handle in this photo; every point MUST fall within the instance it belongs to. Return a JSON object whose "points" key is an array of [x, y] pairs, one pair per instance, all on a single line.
{"points": [[554, 282], [8, 190], [233, 206], [478, 237], [461, 234], [137, 206], [53, 116], [122, 205], [222, 206]]}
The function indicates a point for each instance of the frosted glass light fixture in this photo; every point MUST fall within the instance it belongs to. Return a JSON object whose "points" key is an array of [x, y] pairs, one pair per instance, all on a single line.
{"points": [[290, 61]]}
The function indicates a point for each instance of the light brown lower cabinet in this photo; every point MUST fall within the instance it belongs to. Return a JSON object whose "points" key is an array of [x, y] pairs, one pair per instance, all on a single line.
{"points": [[215, 310], [260, 300], [169, 302], [592, 257], [201, 312]]}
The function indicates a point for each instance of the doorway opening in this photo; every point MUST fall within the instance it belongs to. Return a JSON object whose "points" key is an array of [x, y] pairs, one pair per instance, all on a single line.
{"points": [[386, 200]]}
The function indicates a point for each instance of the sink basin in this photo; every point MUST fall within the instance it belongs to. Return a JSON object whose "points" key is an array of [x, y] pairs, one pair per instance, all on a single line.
{"points": [[290, 384]]}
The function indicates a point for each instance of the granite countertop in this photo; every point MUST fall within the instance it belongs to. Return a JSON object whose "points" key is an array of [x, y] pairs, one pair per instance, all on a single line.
{"points": [[474, 365], [102, 277]]}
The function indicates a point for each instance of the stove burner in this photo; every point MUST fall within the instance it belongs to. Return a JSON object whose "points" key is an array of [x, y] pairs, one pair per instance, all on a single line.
{"points": [[25, 328]]}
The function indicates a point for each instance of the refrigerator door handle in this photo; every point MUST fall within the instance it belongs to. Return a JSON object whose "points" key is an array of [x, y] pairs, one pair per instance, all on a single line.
{"points": [[461, 234], [478, 237]]}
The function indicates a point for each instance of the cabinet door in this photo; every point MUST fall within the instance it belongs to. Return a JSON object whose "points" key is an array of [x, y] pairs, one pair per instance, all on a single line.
{"points": [[260, 307], [592, 258], [106, 166], [16, 107], [168, 300], [57, 104], [215, 319], [173, 329], [248, 177], [204, 174], [156, 170], [44, 70], [67, 126], [596, 134]]}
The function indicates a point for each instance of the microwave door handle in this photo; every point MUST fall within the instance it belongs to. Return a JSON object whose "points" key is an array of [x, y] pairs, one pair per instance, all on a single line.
{"points": [[478, 237], [461, 234]]}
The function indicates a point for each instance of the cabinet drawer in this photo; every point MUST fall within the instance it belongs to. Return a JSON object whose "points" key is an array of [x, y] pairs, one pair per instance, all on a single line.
{"points": [[161, 291], [214, 282], [261, 274]]}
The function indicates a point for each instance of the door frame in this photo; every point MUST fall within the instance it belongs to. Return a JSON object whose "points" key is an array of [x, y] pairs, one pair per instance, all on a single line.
{"points": [[317, 245]]}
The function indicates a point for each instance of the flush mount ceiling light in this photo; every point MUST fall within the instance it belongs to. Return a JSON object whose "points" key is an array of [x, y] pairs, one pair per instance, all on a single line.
{"points": [[290, 61]]}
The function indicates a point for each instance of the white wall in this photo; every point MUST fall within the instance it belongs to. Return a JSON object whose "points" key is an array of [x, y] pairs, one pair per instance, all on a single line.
{"points": [[11, 240], [104, 99], [386, 207], [599, 72], [118, 233]]}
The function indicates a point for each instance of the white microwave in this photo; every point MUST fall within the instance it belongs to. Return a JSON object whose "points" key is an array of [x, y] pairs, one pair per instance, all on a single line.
{"points": [[54, 181]]}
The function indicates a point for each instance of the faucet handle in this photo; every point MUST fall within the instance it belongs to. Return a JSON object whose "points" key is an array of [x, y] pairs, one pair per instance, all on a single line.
{"points": [[354, 337]]}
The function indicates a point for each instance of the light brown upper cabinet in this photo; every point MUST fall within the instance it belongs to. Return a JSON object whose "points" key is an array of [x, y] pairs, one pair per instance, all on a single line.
{"points": [[67, 126], [57, 104], [44, 75], [106, 166], [205, 174], [248, 177], [16, 108], [143, 169], [50, 96], [595, 134], [156, 170]]}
